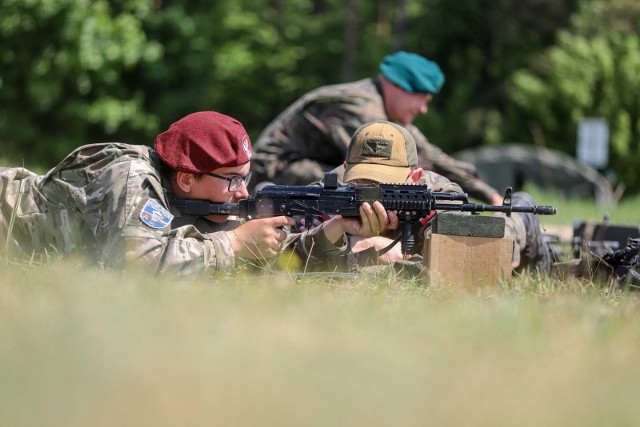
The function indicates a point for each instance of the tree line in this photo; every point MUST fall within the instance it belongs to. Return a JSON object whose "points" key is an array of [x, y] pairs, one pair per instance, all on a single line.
{"points": [[74, 72]]}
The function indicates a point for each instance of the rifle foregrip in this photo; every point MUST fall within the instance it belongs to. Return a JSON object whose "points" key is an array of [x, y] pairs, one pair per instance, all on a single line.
{"points": [[408, 239]]}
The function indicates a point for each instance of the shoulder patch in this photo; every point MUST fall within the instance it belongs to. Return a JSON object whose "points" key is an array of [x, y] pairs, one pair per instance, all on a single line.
{"points": [[155, 215]]}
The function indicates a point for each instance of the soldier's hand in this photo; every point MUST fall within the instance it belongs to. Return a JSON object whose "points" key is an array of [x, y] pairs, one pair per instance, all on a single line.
{"points": [[496, 200], [379, 243], [303, 224], [373, 221], [260, 238]]}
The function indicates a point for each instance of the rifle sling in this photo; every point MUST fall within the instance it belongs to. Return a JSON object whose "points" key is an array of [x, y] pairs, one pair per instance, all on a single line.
{"points": [[370, 255]]}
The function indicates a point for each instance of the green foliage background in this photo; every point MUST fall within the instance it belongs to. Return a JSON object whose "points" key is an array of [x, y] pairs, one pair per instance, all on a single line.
{"points": [[78, 71]]}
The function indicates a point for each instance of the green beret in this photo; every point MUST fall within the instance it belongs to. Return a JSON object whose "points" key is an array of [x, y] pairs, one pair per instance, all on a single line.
{"points": [[412, 72]]}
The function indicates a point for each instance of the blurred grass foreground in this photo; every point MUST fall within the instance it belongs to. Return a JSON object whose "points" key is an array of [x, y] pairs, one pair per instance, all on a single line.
{"points": [[82, 346]]}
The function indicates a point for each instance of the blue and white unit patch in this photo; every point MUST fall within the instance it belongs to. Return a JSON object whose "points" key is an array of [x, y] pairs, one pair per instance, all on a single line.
{"points": [[155, 215]]}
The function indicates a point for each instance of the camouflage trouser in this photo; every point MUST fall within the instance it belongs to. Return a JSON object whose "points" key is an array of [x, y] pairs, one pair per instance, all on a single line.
{"points": [[529, 247], [515, 229]]}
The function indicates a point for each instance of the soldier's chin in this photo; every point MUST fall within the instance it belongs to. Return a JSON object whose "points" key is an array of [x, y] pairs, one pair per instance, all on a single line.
{"points": [[218, 218]]}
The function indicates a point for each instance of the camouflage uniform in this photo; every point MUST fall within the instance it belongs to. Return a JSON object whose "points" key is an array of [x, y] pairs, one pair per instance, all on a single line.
{"points": [[107, 202], [311, 248], [530, 248], [312, 136]]}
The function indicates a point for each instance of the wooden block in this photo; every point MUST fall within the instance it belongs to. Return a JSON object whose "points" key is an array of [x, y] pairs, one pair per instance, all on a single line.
{"points": [[469, 261]]}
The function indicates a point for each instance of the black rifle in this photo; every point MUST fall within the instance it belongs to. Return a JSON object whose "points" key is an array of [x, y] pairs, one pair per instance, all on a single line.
{"points": [[411, 202], [602, 252], [623, 263]]}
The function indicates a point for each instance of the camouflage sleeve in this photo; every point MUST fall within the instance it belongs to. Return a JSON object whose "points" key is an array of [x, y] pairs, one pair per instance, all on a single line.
{"points": [[515, 229], [140, 231], [314, 243], [337, 121], [315, 251], [465, 174], [315, 136], [183, 250], [439, 183]]}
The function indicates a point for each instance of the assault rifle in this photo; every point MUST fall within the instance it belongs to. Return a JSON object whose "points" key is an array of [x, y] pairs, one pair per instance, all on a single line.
{"points": [[411, 202]]}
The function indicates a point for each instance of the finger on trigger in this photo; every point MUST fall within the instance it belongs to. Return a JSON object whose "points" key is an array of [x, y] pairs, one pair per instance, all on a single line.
{"points": [[280, 221]]}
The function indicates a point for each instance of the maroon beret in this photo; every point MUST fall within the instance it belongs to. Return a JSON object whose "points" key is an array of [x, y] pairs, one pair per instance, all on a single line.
{"points": [[204, 141]]}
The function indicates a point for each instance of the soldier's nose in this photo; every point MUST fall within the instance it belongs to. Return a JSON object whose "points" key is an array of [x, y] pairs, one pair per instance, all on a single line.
{"points": [[242, 192]]}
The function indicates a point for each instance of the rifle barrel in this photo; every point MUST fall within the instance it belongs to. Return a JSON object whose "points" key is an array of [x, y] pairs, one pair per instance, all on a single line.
{"points": [[474, 207]]}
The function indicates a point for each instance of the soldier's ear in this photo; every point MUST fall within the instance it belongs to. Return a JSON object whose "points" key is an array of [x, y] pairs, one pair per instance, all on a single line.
{"points": [[414, 175], [184, 181]]}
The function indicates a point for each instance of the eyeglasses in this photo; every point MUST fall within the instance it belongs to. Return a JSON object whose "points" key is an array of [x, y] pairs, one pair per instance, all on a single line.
{"points": [[235, 182]]}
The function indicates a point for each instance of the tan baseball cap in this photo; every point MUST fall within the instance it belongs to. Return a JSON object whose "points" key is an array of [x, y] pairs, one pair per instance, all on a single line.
{"points": [[381, 151]]}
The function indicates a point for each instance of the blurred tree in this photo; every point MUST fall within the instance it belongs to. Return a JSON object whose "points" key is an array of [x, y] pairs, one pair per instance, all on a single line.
{"points": [[65, 67], [591, 71], [247, 59], [80, 71], [479, 44], [351, 29]]}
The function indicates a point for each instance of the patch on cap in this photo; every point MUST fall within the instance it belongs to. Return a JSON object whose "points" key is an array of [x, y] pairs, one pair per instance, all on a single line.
{"points": [[381, 151], [155, 215], [377, 147]]}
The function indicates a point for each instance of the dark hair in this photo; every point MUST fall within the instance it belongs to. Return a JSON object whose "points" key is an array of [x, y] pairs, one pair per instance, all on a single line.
{"points": [[168, 172]]}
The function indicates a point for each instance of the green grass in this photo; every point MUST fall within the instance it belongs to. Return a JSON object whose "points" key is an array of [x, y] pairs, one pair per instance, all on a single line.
{"points": [[82, 346]]}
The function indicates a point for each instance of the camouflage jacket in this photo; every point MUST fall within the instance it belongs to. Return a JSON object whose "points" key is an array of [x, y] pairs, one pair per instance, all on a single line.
{"points": [[308, 251], [107, 202], [320, 124]]}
